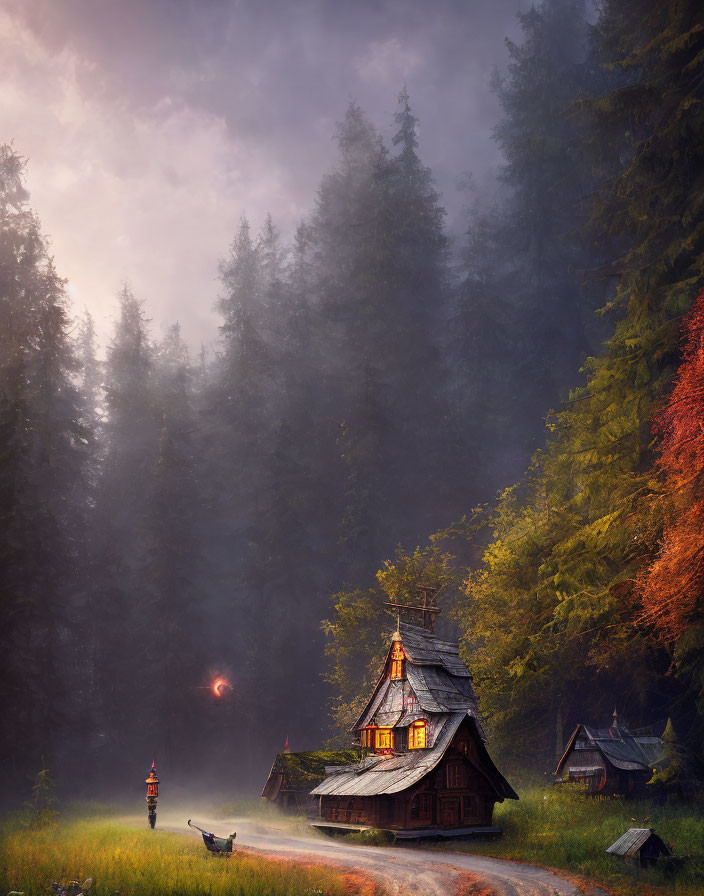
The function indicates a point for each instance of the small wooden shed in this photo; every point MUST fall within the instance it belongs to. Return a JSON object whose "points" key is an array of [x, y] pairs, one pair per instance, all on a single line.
{"points": [[294, 775], [640, 846], [609, 760]]}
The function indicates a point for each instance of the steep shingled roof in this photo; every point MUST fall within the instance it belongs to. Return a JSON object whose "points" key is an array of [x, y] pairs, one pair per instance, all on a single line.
{"points": [[623, 750], [423, 648], [439, 679], [382, 774]]}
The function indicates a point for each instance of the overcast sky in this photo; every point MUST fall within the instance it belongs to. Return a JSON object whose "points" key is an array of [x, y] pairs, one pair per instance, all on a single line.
{"points": [[152, 126]]}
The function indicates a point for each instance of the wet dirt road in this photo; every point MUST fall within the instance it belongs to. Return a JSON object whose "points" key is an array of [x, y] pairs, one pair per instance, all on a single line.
{"points": [[401, 870]]}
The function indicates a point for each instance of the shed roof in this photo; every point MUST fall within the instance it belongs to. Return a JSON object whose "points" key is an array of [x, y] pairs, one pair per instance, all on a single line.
{"points": [[301, 771], [633, 840]]}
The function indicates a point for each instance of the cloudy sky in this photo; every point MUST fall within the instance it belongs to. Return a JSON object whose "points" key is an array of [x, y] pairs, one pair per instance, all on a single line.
{"points": [[152, 126]]}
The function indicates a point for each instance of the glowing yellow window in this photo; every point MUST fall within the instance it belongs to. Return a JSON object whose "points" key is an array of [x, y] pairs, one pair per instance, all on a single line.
{"points": [[384, 739], [416, 735], [368, 736], [397, 657]]}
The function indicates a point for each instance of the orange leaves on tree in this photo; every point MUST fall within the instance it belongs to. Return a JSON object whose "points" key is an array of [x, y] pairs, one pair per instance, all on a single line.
{"points": [[672, 588]]}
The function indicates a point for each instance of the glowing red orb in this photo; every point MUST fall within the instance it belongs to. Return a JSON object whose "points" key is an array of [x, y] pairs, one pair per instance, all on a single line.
{"points": [[220, 685]]}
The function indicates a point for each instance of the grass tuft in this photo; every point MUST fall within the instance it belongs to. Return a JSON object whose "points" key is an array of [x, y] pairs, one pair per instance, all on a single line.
{"points": [[371, 837]]}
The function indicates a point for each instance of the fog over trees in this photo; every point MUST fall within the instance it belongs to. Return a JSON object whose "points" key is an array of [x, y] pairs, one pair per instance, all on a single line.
{"points": [[168, 518]]}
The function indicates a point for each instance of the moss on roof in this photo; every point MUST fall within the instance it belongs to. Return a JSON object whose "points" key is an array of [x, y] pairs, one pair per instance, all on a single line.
{"points": [[308, 768]]}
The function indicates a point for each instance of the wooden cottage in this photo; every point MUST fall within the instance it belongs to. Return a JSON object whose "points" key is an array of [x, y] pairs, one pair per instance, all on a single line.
{"points": [[639, 846], [293, 775], [426, 767], [609, 760]]}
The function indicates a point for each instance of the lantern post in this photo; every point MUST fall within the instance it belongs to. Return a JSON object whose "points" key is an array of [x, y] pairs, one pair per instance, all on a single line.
{"points": [[152, 783]]}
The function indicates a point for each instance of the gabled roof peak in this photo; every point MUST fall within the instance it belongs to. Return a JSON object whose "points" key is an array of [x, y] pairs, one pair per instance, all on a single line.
{"points": [[435, 673], [624, 750]]}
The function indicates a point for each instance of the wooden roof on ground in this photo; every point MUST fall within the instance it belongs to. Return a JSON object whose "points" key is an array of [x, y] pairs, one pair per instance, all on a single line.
{"points": [[630, 843]]}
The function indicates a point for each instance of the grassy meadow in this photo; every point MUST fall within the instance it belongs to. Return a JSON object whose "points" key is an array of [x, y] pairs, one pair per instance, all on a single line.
{"points": [[124, 861], [564, 829]]}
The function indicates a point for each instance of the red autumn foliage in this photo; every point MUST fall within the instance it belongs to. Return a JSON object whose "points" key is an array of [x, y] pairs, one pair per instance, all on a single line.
{"points": [[672, 588]]}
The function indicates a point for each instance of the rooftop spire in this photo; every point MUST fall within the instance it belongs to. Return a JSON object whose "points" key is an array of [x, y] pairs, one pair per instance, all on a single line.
{"points": [[397, 634], [424, 610]]}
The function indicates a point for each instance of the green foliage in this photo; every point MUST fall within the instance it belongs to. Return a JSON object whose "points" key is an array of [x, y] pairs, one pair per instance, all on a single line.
{"points": [[42, 811], [309, 767], [371, 837], [360, 627], [43, 453], [526, 253], [355, 648], [676, 771], [549, 619]]}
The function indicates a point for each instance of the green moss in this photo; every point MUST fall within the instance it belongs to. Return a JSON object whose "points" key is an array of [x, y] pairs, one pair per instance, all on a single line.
{"points": [[371, 837], [308, 768]]}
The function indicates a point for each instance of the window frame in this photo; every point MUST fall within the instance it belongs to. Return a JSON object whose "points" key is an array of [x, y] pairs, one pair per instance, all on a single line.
{"points": [[368, 736], [414, 735], [455, 776], [385, 734], [421, 807], [398, 658]]}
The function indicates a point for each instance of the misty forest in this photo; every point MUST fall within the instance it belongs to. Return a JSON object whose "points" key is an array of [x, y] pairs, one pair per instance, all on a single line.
{"points": [[508, 413]]}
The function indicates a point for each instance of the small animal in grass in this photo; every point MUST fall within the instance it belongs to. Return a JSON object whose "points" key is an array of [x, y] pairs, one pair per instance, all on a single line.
{"points": [[219, 846], [72, 888]]}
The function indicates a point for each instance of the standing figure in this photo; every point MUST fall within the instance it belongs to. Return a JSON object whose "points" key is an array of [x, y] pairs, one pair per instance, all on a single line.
{"points": [[152, 783]]}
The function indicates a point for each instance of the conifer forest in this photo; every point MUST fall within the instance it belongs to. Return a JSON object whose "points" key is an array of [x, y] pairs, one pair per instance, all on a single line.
{"points": [[504, 404]]}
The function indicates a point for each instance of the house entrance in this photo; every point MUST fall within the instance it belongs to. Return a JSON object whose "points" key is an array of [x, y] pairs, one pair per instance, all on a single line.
{"points": [[450, 812]]}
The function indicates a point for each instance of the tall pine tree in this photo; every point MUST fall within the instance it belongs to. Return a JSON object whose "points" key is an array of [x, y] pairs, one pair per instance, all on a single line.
{"points": [[43, 449]]}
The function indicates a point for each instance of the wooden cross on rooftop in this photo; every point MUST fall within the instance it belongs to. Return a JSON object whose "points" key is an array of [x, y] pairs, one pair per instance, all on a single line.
{"points": [[425, 609]]}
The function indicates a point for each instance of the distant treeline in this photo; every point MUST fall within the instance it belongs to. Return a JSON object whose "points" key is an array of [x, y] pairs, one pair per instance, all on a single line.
{"points": [[165, 519]]}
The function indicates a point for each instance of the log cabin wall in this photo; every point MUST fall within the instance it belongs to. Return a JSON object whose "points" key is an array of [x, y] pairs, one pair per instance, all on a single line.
{"points": [[580, 758], [613, 781]]}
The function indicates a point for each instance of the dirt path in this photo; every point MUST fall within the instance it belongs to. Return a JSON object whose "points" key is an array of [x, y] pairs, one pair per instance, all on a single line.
{"points": [[402, 871]]}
